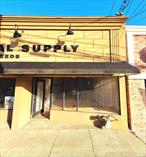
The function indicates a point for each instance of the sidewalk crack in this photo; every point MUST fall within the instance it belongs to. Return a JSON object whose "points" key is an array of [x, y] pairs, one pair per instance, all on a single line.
{"points": [[91, 142], [54, 143]]}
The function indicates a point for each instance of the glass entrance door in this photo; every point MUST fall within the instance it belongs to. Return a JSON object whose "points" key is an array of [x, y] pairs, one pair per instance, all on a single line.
{"points": [[38, 97]]}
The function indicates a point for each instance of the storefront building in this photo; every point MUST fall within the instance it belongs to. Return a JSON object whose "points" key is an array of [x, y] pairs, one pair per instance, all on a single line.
{"points": [[72, 68], [136, 39]]}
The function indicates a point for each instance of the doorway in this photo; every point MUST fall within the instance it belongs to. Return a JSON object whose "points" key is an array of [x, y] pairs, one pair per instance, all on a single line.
{"points": [[38, 96]]}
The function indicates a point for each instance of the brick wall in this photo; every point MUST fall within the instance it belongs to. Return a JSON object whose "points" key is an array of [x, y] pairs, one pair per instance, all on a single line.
{"points": [[137, 97], [136, 90]]}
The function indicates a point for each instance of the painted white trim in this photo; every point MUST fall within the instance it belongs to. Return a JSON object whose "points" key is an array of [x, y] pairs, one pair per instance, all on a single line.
{"points": [[141, 76], [136, 29], [130, 49]]}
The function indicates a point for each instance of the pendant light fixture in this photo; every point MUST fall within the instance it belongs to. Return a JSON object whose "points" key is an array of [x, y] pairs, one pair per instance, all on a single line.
{"points": [[16, 34], [15, 39], [69, 31], [61, 42]]}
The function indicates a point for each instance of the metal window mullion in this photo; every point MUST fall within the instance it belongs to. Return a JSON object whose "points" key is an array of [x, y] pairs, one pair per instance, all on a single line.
{"points": [[110, 44], [63, 94], [77, 95], [51, 95]]}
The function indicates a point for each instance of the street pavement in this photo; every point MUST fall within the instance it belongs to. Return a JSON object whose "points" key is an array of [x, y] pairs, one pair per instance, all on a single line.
{"points": [[43, 139]]}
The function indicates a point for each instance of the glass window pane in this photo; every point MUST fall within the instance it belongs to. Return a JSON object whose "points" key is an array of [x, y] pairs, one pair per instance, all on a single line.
{"points": [[7, 89], [99, 94], [57, 93], [70, 93]]}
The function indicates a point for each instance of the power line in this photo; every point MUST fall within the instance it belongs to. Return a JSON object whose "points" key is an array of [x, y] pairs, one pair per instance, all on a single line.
{"points": [[138, 11], [114, 2], [137, 14], [123, 7], [138, 20], [129, 6], [139, 5]]}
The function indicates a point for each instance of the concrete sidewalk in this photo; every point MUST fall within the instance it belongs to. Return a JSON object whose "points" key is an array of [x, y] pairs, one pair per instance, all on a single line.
{"points": [[70, 142]]}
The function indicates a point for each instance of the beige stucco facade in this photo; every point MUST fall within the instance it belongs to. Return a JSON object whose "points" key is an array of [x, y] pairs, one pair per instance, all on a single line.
{"points": [[83, 116], [98, 39], [94, 35]]}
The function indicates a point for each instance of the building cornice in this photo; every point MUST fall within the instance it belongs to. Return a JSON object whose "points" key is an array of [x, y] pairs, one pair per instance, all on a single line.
{"points": [[61, 19], [62, 22]]}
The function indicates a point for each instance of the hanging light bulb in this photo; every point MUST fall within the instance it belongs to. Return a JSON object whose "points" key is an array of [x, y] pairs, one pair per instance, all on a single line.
{"points": [[14, 42], [60, 41], [15, 39], [69, 32]]}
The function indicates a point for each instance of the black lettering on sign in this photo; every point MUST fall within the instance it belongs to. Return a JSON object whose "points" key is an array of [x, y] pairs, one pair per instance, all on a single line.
{"points": [[2, 48], [17, 56], [57, 47], [9, 49], [25, 48], [47, 47], [74, 47], [11, 56], [6, 56], [36, 48], [1, 55], [65, 49]]}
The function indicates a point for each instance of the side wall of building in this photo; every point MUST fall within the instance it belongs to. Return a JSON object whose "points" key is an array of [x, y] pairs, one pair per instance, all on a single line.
{"points": [[136, 37], [138, 107]]}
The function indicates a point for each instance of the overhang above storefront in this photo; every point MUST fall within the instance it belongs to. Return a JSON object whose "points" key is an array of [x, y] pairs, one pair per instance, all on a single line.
{"points": [[67, 68]]}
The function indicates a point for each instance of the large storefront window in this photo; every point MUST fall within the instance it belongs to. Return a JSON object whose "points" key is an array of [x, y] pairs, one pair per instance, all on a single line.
{"points": [[99, 93], [7, 89], [82, 93]]}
